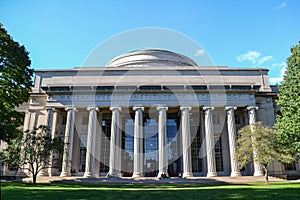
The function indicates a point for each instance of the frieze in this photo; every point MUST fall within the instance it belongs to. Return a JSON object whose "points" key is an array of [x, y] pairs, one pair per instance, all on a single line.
{"points": [[153, 97]]}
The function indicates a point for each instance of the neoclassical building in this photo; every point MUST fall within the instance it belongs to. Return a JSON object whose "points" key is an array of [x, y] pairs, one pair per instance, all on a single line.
{"points": [[152, 113]]}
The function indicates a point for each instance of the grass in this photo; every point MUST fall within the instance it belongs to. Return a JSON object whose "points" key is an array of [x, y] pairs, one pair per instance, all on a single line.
{"points": [[59, 191]]}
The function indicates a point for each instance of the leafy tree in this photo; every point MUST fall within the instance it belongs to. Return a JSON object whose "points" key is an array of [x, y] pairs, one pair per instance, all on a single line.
{"points": [[288, 123], [32, 152], [258, 138], [15, 84]]}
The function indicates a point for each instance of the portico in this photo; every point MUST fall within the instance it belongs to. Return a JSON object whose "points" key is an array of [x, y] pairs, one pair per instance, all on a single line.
{"points": [[166, 117]]}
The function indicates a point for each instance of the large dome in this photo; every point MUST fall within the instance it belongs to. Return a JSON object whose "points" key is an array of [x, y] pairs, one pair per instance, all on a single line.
{"points": [[150, 57]]}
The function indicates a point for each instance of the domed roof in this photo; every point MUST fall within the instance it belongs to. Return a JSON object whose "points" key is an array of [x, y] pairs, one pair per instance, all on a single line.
{"points": [[150, 57]]}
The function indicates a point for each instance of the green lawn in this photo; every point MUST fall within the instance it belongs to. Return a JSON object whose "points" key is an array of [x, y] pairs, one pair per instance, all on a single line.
{"points": [[280, 191]]}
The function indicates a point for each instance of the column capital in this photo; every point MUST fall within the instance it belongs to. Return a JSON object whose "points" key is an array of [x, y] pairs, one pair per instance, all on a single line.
{"points": [[252, 107], [52, 108], [162, 108], [71, 107], [93, 107], [138, 107], [112, 108], [230, 107], [185, 107], [208, 108], [30, 110]]}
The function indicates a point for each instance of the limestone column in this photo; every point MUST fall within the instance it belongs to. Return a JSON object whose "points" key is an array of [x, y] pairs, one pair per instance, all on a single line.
{"points": [[53, 129], [98, 146], [232, 140], [26, 128], [48, 123], [138, 161], [114, 169], [31, 122], [68, 141], [210, 144], [91, 137], [252, 118], [49, 118], [162, 142], [186, 142], [26, 121]]}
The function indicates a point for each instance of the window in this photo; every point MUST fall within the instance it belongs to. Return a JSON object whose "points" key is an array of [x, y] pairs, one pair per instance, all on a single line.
{"points": [[85, 120], [82, 159], [290, 166], [218, 155], [196, 148], [64, 120], [105, 143], [216, 119]]}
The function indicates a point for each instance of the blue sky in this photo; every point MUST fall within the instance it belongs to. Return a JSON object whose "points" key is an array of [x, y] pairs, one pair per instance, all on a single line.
{"points": [[250, 33]]}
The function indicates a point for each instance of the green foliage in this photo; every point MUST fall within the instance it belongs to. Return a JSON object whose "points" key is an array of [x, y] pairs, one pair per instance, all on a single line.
{"points": [[288, 123], [15, 84], [33, 151], [260, 139]]}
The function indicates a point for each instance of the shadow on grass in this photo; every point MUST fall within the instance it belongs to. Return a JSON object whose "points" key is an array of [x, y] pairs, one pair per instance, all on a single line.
{"points": [[129, 191]]}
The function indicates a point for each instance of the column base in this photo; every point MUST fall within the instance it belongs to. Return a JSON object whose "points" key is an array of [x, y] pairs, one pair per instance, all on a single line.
{"points": [[88, 175], [187, 175], [161, 175], [43, 173], [137, 175], [21, 174], [235, 174], [211, 174], [113, 175], [258, 173], [65, 174]]}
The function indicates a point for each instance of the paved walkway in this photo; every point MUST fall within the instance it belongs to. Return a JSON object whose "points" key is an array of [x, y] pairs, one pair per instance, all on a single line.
{"points": [[152, 180]]}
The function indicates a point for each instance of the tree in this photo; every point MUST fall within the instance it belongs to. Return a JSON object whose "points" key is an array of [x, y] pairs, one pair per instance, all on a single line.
{"points": [[15, 84], [259, 139], [32, 152], [288, 123]]}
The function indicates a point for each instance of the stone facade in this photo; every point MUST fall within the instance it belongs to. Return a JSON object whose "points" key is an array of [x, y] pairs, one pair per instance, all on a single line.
{"points": [[152, 113]]}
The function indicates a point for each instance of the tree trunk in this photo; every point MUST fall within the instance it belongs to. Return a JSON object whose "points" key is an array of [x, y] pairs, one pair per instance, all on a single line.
{"points": [[34, 179], [266, 176]]}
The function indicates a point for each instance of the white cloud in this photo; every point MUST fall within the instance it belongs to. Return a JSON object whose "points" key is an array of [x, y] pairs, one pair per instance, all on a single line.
{"points": [[280, 65], [264, 59], [277, 80], [200, 52], [282, 5], [251, 56]]}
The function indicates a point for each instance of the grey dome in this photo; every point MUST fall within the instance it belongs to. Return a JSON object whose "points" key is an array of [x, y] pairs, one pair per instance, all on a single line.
{"points": [[150, 57]]}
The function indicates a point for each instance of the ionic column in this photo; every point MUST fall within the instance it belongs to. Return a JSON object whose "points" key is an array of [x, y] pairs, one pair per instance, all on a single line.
{"points": [[68, 141], [210, 144], [91, 137], [232, 140], [162, 142], [138, 161], [49, 109], [26, 129], [49, 119], [186, 142], [26, 121], [31, 122], [114, 169], [252, 118], [98, 146], [54, 122]]}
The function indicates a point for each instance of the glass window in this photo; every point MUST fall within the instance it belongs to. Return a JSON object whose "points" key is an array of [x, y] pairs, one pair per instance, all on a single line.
{"points": [[105, 143], [218, 155]]}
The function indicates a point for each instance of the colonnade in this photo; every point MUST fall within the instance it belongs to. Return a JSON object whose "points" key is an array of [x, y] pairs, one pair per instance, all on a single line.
{"points": [[115, 141]]}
